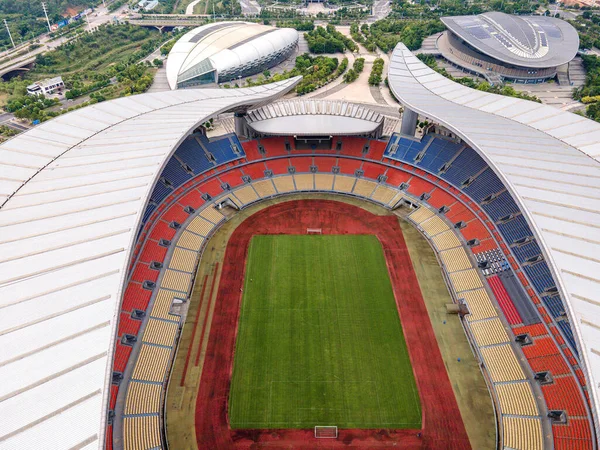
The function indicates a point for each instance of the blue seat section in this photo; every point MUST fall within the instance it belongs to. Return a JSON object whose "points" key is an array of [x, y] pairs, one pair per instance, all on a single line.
{"points": [[554, 305], [501, 206], [439, 152], [486, 184], [515, 229], [159, 193], [151, 207], [527, 251], [467, 164], [540, 276], [191, 153], [221, 148], [565, 327], [407, 148], [175, 173]]}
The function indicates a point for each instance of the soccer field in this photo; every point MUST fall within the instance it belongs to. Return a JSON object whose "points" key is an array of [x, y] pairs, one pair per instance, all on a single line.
{"points": [[319, 339]]}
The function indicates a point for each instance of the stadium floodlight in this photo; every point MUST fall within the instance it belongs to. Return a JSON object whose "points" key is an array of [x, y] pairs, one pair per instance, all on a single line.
{"points": [[326, 432]]}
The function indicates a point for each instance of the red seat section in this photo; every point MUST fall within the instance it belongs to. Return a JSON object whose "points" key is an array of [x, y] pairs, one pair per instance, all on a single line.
{"points": [[302, 164], [274, 146], [143, 272], [396, 177], [353, 146], [122, 353], [537, 329], [162, 230], [114, 389], [554, 363], [193, 199], [474, 229], [127, 325], [153, 252], [418, 186], [255, 171], [251, 149], [278, 166], [504, 300], [324, 164], [136, 297], [232, 177], [175, 213], [542, 346], [484, 246], [372, 171], [212, 187], [349, 166], [440, 198], [376, 149], [564, 394]]}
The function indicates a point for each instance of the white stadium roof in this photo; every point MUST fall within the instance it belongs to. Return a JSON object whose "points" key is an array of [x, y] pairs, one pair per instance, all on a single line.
{"points": [[72, 194], [550, 161]]}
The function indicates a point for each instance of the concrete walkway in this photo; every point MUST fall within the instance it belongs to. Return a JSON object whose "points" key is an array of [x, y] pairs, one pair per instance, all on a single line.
{"points": [[190, 8]]}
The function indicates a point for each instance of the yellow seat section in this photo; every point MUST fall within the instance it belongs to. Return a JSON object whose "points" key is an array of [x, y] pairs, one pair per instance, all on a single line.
{"points": [[178, 281], [183, 259], [284, 183], [160, 332], [517, 399], [434, 225], [323, 182], [523, 433], [200, 226], [305, 182], [465, 280], [455, 259], [211, 214], [142, 398], [343, 184], [141, 433], [364, 188], [489, 332], [502, 363], [479, 304], [446, 240], [162, 305], [190, 241], [264, 188], [383, 194], [420, 215], [246, 195], [151, 364]]}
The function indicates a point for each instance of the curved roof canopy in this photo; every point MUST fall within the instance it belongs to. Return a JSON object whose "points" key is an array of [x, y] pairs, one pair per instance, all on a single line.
{"points": [[524, 41], [550, 162], [72, 194], [224, 46], [314, 118]]}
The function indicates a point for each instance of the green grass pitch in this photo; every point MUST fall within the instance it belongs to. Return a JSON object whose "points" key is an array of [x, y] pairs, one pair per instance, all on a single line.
{"points": [[319, 339]]}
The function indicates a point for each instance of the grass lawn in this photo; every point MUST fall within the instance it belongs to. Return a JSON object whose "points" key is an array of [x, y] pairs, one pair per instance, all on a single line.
{"points": [[319, 339]]}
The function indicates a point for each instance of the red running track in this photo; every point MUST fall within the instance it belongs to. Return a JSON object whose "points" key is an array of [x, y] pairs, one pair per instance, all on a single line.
{"points": [[442, 423]]}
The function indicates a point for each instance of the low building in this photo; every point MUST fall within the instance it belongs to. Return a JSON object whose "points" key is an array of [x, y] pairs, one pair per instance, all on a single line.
{"points": [[501, 47], [46, 87]]}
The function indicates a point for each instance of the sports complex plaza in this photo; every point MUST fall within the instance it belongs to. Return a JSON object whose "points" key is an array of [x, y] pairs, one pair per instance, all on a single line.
{"points": [[112, 219]]}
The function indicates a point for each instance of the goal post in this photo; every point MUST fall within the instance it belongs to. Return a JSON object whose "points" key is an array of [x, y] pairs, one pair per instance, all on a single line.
{"points": [[314, 231], [326, 432]]}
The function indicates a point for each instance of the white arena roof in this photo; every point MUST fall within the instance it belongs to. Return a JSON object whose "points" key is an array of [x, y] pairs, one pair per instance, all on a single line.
{"points": [[72, 194], [524, 41], [225, 47], [550, 162]]}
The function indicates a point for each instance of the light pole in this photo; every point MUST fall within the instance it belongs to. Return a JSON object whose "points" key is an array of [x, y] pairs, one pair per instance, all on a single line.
{"points": [[9, 35], [46, 14]]}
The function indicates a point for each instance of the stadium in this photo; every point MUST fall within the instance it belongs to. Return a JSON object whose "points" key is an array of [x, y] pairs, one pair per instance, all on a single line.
{"points": [[226, 51], [502, 47], [304, 280]]}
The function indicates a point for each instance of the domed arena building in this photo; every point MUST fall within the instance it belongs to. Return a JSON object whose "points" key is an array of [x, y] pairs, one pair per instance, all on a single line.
{"points": [[302, 278], [499, 46], [225, 51]]}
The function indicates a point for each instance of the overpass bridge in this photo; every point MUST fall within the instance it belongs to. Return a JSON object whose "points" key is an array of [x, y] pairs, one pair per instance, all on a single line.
{"points": [[21, 64]]}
